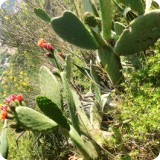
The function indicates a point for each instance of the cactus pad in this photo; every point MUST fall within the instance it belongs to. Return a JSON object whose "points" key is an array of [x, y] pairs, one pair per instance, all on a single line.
{"points": [[68, 67], [33, 120], [136, 5], [70, 101], [4, 141], [42, 14], [140, 34], [118, 27], [51, 110], [49, 86], [88, 152], [70, 28], [111, 63]]}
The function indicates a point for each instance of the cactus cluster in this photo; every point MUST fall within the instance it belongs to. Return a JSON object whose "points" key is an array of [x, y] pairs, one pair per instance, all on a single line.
{"points": [[85, 131], [142, 31]]}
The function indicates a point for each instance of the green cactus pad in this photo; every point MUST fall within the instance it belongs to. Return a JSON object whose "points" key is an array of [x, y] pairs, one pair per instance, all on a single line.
{"points": [[4, 141], [51, 110], [70, 101], [111, 63], [96, 116], [49, 86], [140, 34], [33, 120], [84, 122], [118, 27], [87, 6], [136, 5], [70, 28], [96, 84], [68, 67], [42, 14], [106, 16], [89, 153]]}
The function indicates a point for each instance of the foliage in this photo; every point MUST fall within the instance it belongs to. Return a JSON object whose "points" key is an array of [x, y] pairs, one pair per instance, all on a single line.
{"points": [[135, 121], [20, 75], [122, 125]]}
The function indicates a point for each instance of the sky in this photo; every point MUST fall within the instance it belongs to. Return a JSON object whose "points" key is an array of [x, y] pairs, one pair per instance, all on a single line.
{"points": [[1, 1]]}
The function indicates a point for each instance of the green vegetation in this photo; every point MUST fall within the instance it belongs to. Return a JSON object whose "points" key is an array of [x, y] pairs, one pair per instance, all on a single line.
{"points": [[89, 89]]}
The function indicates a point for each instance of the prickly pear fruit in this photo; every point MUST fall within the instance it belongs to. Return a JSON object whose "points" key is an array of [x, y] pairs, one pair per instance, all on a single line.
{"points": [[90, 19]]}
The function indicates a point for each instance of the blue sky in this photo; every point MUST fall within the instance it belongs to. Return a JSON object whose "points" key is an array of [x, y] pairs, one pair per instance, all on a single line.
{"points": [[1, 1]]}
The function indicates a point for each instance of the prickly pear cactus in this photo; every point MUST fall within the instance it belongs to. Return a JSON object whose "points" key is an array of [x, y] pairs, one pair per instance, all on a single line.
{"points": [[68, 67], [50, 86], [140, 34], [119, 28], [33, 120], [4, 141], [42, 14], [70, 28], [70, 102], [111, 62], [136, 5], [90, 19], [51, 110], [89, 153]]}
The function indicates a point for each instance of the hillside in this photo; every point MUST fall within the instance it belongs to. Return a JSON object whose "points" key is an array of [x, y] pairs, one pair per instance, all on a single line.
{"points": [[10, 5]]}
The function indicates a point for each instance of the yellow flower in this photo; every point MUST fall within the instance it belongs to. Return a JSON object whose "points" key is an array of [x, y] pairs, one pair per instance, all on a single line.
{"points": [[19, 88], [10, 72], [16, 85], [6, 18], [4, 95], [24, 84], [4, 72], [15, 79], [10, 77]]}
